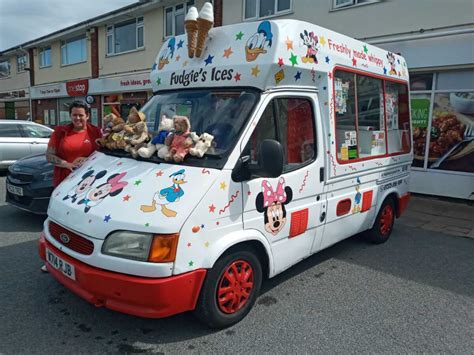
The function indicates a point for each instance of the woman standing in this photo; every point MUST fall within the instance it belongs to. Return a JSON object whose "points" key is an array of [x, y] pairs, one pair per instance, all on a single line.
{"points": [[71, 144]]}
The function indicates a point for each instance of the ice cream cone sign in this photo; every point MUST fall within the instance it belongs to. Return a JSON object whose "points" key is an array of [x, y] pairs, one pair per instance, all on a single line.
{"points": [[191, 25], [205, 21]]}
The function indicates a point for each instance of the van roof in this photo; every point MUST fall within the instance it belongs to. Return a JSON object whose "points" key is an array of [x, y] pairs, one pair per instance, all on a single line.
{"points": [[268, 54]]}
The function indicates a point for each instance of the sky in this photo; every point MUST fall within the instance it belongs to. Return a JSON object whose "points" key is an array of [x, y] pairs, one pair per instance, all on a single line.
{"points": [[24, 20]]}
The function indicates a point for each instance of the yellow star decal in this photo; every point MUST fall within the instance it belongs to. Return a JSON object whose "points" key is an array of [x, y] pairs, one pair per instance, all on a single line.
{"points": [[185, 63], [289, 43], [177, 58], [322, 40], [228, 52], [223, 185], [206, 244], [255, 71]]}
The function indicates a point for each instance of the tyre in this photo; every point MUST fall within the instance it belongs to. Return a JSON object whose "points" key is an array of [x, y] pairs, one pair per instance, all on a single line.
{"points": [[230, 289], [383, 224]]}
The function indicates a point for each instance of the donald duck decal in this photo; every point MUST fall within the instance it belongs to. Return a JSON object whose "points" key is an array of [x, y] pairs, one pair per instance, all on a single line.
{"points": [[257, 43], [167, 195], [167, 54]]}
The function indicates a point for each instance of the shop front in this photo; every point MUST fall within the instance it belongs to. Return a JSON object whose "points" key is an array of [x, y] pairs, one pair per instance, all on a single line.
{"points": [[14, 105]]}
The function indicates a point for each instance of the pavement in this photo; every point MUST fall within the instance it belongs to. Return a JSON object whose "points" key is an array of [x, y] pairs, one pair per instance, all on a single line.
{"points": [[449, 216]]}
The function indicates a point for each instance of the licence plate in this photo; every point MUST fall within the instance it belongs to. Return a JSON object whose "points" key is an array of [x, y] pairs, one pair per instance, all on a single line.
{"points": [[61, 265], [15, 190]]}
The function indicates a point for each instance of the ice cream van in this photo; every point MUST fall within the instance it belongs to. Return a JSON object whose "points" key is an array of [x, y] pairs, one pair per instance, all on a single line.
{"points": [[309, 143]]}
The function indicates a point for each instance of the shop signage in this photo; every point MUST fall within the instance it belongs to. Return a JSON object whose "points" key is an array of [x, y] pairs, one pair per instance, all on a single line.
{"points": [[125, 83], [77, 87], [49, 91]]}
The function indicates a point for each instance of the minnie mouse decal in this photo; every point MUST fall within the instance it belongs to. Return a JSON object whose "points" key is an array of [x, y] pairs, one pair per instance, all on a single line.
{"points": [[84, 185], [111, 188], [391, 61], [272, 203]]}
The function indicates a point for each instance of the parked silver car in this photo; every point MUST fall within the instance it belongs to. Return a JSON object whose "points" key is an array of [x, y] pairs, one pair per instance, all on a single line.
{"points": [[19, 139]]}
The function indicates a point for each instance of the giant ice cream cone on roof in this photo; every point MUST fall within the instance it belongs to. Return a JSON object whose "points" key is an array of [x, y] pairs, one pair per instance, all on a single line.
{"points": [[205, 22], [191, 25]]}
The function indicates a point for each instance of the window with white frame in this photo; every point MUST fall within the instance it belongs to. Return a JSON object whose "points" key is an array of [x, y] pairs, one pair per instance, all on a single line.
{"points": [[174, 18], [4, 68], [346, 3], [45, 57], [125, 36], [254, 9], [74, 50], [21, 63]]}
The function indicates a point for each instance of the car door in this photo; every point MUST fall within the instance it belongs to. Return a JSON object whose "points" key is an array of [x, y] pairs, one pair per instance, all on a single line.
{"points": [[287, 209], [38, 137], [13, 145]]}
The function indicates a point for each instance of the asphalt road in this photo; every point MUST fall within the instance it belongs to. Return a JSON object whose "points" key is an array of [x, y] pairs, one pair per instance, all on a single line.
{"points": [[413, 294]]}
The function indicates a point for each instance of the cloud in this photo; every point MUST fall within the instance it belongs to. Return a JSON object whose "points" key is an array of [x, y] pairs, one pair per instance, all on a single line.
{"points": [[26, 20]]}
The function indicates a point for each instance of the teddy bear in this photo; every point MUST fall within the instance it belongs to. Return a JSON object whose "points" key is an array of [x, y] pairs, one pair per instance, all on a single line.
{"points": [[134, 116], [179, 142], [201, 147], [113, 126], [139, 139], [158, 142]]}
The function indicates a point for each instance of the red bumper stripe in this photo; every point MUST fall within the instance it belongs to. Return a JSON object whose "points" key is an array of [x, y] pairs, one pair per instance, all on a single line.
{"points": [[402, 204], [139, 296]]}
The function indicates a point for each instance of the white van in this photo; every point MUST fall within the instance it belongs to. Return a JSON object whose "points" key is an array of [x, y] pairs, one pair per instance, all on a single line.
{"points": [[312, 144]]}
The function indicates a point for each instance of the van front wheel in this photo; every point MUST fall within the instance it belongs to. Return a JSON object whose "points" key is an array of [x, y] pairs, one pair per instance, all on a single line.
{"points": [[383, 224], [230, 289]]}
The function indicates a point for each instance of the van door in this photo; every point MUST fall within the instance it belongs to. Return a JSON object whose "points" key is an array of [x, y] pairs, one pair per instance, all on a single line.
{"points": [[287, 210]]}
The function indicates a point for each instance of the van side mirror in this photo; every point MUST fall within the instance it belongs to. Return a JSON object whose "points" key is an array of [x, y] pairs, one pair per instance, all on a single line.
{"points": [[269, 163]]}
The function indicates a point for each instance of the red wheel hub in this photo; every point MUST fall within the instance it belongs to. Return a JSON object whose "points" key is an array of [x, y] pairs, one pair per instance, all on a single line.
{"points": [[235, 287], [386, 220]]}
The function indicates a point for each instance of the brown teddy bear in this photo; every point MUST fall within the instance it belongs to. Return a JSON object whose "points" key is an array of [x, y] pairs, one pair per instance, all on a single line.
{"points": [[139, 139], [179, 142], [113, 125]]}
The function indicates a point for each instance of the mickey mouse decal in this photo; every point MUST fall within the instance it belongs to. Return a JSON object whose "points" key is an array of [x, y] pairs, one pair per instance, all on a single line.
{"points": [[84, 185], [272, 203], [310, 40], [391, 61], [111, 188]]}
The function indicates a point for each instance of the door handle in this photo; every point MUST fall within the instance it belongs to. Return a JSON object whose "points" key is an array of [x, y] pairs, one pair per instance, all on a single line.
{"points": [[322, 217]]}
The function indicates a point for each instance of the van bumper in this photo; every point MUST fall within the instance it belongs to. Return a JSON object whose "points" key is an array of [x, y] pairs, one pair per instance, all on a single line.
{"points": [[402, 204], [138, 296]]}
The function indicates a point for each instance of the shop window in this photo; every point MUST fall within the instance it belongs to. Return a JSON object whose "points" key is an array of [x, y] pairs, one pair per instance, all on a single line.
{"points": [[125, 36], [421, 82], [4, 69], [174, 18], [420, 114], [398, 118], [21, 62], [73, 51], [291, 122], [255, 9], [45, 57]]}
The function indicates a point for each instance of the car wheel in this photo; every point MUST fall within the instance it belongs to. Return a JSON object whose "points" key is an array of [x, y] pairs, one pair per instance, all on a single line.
{"points": [[230, 289], [383, 224]]}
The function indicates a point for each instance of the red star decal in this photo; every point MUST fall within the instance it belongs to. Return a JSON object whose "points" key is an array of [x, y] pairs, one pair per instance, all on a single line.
{"points": [[159, 173], [126, 197], [280, 61], [249, 193], [237, 77], [217, 223], [330, 76], [189, 244], [354, 62], [212, 208], [119, 163]]}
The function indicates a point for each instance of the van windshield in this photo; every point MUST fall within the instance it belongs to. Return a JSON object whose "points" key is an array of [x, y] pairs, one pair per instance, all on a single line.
{"points": [[221, 113]]}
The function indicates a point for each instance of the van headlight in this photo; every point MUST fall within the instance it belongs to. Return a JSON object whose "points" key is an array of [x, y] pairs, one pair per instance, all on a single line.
{"points": [[156, 248]]}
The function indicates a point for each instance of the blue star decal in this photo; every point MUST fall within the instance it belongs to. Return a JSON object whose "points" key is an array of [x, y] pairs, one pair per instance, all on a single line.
{"points": [[297, 75], [327, 59], [153, 67], [107, 218], [324, 87], [209, 59], [180, 44], [385, 70]]}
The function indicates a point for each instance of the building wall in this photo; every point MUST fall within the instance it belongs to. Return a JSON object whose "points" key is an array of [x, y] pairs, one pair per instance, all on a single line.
{"points": [[56, 72], [16, 81], [368, 20]]}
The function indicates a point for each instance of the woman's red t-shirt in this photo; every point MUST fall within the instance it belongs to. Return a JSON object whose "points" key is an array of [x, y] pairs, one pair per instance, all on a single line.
{"points": [[70, 145]]}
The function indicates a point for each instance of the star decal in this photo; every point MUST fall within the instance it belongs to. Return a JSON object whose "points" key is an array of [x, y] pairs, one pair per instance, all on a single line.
{"points": [[158, 81], [223, 185], [217, 223], [185, 63], [228, 52], [239, 36], [189, 244], [324, 88], [209, 59], [354, 62], [177, 58], [206, 244], [90, 220], [237, 76], [191, 263], [212, 208], [330, 75], [137, 182], [127, 198], [289, 44], [107, 218], [293, 59], [385, 71], [159, 173], [249, 193], [327, 59], [180, 44], [280, 61], [366, 50], [255, 71], [119, 163], [322, 40], [147, 224], [153, 67], [297, 76]]}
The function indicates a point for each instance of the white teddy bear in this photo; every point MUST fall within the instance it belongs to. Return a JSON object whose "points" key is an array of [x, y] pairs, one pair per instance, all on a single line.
{"points": [[201, 147], [158, 142]]}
